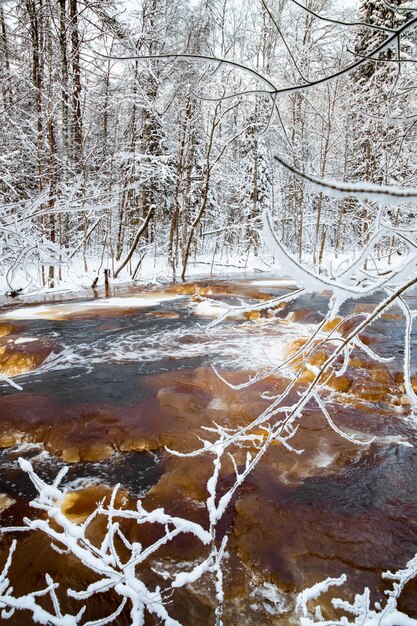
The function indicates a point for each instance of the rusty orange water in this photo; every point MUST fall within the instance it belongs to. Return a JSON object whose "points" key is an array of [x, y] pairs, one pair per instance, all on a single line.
{"points": [[109, 390]]}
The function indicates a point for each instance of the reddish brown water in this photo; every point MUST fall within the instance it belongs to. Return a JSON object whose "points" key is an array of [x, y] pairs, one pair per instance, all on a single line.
{"points": [[107, 389]]}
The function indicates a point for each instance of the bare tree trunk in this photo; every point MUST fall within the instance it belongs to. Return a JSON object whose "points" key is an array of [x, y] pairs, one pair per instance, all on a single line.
{"points": [[37, 79], [64, 81], [5, 56], [33, 11], [133, 247], [204, 198], [77, 135], [52, 192], [173, 233]]}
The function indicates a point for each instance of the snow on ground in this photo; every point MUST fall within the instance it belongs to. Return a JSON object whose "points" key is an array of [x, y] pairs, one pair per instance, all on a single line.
{"points": [[81, 273], [153, 269]]}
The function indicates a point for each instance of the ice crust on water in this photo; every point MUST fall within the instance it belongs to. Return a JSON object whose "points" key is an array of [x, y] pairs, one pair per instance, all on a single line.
{"points": [[57, 311], [210, 309], [273, 599], [21, 340], [274, 282]]}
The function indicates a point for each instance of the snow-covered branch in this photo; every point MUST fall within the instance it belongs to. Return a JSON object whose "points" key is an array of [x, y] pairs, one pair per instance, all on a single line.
{"points": [[362, 612]]}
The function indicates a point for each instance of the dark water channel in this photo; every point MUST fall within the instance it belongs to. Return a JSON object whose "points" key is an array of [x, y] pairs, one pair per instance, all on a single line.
{"points": [[110, 387]]}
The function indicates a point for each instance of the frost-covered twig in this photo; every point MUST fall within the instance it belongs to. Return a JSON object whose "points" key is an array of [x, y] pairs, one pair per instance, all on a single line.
{"points": [[363, 190], [9, 603], [103, 560], [361, 610], [312, 282]]}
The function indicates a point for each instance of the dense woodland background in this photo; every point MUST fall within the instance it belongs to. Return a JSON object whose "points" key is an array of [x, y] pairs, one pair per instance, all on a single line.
{"points": [[112, 160]]}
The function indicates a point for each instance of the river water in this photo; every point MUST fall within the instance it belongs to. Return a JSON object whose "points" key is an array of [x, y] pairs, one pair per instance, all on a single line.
{"points": [[109, 381]]}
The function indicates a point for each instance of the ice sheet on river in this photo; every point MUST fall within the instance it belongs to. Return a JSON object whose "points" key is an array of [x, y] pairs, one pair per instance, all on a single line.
{"points": [[65, 310]]}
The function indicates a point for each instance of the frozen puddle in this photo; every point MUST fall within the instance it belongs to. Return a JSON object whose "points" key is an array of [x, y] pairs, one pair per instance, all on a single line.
{"points": [[62, 311]]}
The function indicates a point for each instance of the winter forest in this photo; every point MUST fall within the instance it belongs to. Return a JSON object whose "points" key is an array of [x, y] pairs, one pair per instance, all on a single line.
{"points": [[208, 379], [125, 136]]}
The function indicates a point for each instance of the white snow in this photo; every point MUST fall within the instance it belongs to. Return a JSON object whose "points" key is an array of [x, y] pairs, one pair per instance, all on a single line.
{"points": [[153, 269], [274, 282], [58, 311], [316, 590], [209, 309], [21, 340]]}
